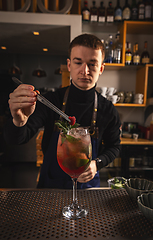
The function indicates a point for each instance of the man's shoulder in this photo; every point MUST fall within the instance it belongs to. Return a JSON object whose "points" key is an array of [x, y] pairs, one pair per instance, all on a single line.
{"points": [[105, 105], [104, 101]]}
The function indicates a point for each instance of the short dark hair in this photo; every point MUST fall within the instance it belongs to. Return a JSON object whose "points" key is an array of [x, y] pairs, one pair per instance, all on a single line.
{"points": [[87, 40]]}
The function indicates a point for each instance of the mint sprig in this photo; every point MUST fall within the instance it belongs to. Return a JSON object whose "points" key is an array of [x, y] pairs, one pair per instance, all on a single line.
{"points": [[65, 127]]}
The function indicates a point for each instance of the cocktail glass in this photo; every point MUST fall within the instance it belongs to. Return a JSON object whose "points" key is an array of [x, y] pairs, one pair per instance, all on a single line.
{"points": [[74, 153]]}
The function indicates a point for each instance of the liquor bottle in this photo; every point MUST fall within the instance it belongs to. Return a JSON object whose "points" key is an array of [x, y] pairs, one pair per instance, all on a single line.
{"points": [[141, 10], [151, 128], [118, 12], [101, 13], [134, 10], [106, 51], [85, 12], [133, 54], [128, 54], [110, 49], [136, 56], [126, 11], [117, 49], [145, 58], [93, 12], [148, 10], [110, 13]]}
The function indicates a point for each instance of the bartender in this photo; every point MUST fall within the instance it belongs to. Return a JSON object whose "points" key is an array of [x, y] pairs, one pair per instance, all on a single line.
{"points": [[80, 99]]}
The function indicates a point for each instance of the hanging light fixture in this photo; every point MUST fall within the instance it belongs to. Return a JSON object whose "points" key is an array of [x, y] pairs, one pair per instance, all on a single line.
{"points": [[39, 72], [15, 70]]}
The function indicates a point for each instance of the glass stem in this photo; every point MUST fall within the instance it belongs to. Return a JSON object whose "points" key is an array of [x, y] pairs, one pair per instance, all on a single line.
{"points": [[75, 201]]}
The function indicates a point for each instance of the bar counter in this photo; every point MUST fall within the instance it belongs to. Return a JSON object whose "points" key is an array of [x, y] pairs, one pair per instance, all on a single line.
{"points": [[36, 214]]}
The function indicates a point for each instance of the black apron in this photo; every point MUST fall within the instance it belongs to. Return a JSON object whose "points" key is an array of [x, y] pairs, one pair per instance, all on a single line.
{"points": [[51, 175]]}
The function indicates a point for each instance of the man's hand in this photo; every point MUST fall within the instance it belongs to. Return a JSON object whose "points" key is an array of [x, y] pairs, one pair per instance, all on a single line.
{"points": [[89, 173], [22, 103]]}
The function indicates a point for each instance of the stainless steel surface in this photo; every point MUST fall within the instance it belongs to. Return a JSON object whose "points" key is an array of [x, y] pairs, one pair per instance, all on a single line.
{"points": [[43, 100], [36, 214]]}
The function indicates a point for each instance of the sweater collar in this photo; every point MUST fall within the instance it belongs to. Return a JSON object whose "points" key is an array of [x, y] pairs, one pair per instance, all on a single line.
{"points": [[81, 96]]}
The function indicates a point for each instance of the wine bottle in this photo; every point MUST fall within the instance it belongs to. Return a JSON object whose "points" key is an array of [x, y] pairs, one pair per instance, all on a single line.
{"points": [[126, 11], [117, 49], [101, 13], [145, 57], [148, 10], [93, 12], [141, 10], [134, 10], [110, 13], [85, 12], [128, 54], [136, 56], [118, 12]]}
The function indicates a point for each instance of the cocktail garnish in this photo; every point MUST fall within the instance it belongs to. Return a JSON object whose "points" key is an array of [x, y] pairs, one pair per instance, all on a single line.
{"points": [[73, 120], [65, 126], [118, 183]]}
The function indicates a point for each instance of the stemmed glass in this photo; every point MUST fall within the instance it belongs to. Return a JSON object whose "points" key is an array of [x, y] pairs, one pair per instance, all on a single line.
{"points": [[74, 153]]}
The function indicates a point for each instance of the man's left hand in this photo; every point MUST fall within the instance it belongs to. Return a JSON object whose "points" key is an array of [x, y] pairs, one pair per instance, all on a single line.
{"points": [[89, 173]]}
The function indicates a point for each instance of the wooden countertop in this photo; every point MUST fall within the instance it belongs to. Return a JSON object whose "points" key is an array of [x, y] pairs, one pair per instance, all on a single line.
{"points": [[139, 141]]}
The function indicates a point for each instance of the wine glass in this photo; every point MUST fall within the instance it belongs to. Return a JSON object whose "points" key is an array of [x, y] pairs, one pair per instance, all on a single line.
{"points": [[74, 153]]}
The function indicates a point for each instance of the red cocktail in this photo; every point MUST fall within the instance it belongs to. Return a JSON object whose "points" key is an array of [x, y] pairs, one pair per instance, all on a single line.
{"points": [[74, 153]]}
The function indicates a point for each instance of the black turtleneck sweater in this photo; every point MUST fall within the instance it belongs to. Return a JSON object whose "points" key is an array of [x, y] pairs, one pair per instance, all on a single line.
{"points": [[79, 104]]}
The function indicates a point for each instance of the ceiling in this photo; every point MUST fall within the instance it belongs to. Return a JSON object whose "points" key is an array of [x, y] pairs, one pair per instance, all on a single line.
{"points": [[19, 39]]}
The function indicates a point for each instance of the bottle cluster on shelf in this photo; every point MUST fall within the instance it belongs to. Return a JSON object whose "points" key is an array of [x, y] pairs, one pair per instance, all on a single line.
{"points": [[113, 49], [142, 10], [135, 57]]}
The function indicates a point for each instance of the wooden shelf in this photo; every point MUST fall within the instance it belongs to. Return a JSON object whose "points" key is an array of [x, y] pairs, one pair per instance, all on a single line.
{"points": [[118, 66], [139, 27], [140, 168], [139, 141], [101, 27], [113, 66], [129, 105]]}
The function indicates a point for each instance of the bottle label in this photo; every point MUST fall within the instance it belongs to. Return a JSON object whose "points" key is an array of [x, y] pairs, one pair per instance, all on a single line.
{"points": [[94, 18], [101, 19], [145, 60], [134, 13], [141, 8], [126, 13], [136, 59], [148, 11], [141, 11], [86, 15], [118, 14], [128, 57], [141, 16], [110, 18], [119, 55]]}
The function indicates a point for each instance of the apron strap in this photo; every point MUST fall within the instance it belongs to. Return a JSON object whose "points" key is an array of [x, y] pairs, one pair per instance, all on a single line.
{"points": [[94, 115], [65, 99]]}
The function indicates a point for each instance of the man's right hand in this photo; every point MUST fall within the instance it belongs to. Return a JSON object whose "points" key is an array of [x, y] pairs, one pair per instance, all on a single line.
{"points": [[22, 103]]}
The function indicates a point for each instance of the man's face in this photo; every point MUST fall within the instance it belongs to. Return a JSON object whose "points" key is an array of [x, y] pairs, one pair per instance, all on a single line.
{"points": [[85, 66]]}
